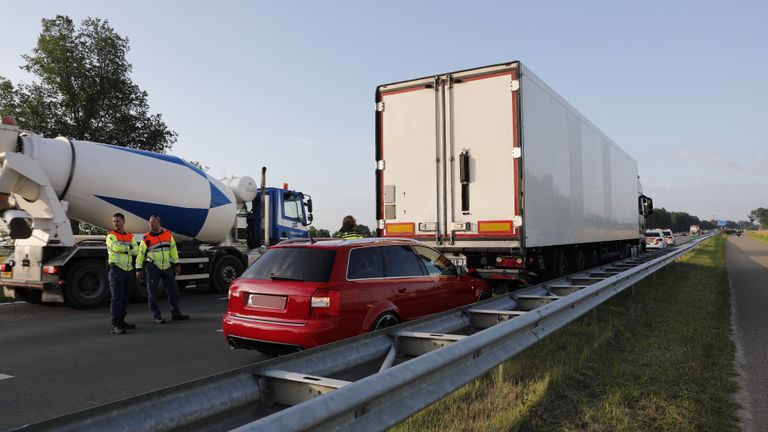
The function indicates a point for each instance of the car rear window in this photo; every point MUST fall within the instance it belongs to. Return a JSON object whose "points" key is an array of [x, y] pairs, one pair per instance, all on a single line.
{"points": [[301, 264], [653, 234]]}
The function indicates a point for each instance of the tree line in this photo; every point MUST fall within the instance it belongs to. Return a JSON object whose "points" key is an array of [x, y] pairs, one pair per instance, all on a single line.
{"points": [[682, 221]]}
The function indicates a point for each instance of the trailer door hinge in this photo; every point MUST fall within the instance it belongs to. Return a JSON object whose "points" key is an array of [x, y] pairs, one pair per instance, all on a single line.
{"points": [[514, 85], [380, 224], [380, 165], [517, 221], [516, 152], [380, 106]]}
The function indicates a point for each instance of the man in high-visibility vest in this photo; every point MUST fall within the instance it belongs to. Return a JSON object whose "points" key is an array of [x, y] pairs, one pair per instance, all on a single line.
{"points": [[121, 248], [158, 249], [349, 229]]}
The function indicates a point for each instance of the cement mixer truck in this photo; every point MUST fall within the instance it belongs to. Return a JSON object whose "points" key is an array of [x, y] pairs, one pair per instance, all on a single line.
{"points": [[46, 182]]}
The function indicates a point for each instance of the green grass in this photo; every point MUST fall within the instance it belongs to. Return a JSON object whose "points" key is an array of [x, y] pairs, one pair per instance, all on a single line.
{"points": [[761, 235], [659, 360]]}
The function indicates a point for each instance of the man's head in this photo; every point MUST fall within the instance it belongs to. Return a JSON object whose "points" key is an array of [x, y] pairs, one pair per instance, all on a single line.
{"points": [[348, 222], [154, 223], [118, 221]]}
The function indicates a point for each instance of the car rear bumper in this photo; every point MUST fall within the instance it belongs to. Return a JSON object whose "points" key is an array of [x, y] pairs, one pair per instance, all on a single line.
{"points": [[252, 333]]}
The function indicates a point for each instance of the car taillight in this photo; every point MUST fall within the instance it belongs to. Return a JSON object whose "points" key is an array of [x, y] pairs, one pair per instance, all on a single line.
{"points": [[51, 269], [232, 291], [509, 262], [325, 303], [6, 267], [657, 240]]}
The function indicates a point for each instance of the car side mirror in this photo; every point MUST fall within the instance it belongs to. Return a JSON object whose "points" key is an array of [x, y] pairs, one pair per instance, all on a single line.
{"points": [[461, 270]]}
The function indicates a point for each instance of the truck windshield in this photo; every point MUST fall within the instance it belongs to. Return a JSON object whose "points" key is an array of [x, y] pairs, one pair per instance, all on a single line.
{"points": [[292, 206], [302, 264]]}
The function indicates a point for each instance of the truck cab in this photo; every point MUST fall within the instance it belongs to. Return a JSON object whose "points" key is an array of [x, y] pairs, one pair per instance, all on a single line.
{"points": [[288, 215]]}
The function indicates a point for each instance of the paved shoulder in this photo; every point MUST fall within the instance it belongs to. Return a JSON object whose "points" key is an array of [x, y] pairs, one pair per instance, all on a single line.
{"points": [[748, 269]]}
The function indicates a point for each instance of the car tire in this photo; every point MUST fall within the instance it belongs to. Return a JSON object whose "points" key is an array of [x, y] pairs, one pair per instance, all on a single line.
{"points": [[484, 295], [33, 296], [225, 270], [87, 285], [387, 319]]}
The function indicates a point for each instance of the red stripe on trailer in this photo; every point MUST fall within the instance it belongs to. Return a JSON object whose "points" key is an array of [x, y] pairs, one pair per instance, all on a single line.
{"points": [[490, 75], [403, 90]]}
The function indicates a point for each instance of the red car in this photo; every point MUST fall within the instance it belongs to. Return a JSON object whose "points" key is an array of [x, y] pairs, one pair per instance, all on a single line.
{"points": [[301, 294]]}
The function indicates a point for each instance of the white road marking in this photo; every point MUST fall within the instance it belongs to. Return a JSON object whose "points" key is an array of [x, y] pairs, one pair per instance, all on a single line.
{"points": [[11, 303], [4, 376], [220, 330], [222, 298]]}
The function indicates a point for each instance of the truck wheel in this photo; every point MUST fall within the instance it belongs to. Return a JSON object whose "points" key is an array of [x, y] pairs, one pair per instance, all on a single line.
{"points": [[226, 269], [34, 296], [140, 293], [87, 285]]}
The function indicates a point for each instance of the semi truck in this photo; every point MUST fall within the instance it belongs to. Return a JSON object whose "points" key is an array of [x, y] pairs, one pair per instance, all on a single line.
{"points": [[492, 167], [219, 225]]}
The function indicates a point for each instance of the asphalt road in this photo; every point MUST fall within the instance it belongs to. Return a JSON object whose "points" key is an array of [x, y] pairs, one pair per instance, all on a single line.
{"points": [[55, 360], [748, 269]]}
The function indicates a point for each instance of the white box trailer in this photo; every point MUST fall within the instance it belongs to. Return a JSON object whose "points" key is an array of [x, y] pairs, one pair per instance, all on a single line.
{"points": [[495, 168]]}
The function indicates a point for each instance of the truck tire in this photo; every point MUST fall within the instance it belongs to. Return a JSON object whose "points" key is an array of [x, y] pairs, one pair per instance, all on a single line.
{"points": [[139, 293], [225, 270], [87, 285], [33, 296]]}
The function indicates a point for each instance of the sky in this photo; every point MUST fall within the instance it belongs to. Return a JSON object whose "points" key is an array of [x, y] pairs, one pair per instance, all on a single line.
{"points": [[680, 85]]}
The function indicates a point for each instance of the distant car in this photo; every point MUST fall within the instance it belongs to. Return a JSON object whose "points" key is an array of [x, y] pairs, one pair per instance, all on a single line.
{"points": [[302, 294], [655, 240], [668, 237]]}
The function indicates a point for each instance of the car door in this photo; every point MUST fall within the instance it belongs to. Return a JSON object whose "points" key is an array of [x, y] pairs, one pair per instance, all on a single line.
{"points": [[415, 292], [453, 290]]}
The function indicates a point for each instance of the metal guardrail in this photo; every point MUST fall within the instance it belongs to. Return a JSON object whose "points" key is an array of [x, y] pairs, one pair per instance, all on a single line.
{"points": [[374, 381]]}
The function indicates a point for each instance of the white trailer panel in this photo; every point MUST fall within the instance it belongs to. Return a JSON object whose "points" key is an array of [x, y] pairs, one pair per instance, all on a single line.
{"points": [[580, 187]]}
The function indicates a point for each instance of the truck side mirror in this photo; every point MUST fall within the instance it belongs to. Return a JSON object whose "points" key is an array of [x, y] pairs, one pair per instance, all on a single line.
{"points": [[309, 207]]}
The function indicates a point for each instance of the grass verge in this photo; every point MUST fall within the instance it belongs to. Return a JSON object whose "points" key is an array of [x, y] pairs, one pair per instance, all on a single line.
{"points": [[761, 235], [659, 360]]}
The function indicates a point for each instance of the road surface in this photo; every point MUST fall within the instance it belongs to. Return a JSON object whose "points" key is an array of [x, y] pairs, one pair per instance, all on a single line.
{"points": [[748, 270]]}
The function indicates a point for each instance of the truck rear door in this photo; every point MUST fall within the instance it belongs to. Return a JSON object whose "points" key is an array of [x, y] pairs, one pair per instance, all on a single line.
{"points": [[408, 174], [448, 157]]}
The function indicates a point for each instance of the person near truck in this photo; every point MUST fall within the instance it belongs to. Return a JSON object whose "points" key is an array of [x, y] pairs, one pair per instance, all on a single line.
{"points": [[121, 248], [349, 229], [158, 251]]}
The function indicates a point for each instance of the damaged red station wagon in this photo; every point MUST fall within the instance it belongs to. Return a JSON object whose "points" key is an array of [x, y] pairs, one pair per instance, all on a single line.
{"points": [[305, 293]]}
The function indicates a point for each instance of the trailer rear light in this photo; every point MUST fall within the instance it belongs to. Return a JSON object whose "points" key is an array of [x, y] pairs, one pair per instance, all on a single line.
{"points": [[51, 269], [325, 303], [509, 262], [6, 266], [9, 120]]}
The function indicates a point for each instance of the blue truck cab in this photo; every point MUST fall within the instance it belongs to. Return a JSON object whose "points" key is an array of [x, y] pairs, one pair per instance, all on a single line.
{"points": [[289, 213]]}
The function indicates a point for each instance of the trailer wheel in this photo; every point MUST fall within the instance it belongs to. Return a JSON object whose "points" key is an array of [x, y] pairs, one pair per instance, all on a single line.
{"points": [[87, 286], [226, 269], [33, 296]]}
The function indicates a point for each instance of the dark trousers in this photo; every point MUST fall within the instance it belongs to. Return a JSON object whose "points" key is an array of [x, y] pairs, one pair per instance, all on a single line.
{"points": [[168, 277], [120, 283]]}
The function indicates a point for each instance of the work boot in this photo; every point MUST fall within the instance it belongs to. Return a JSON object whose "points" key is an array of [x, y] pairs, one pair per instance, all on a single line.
{"points": [[117, 330], [180, 317], [159, 320]]}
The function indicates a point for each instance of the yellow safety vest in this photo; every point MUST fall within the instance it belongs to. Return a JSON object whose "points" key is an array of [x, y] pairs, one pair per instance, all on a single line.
{"points": [[121, 247], [159, 249]]}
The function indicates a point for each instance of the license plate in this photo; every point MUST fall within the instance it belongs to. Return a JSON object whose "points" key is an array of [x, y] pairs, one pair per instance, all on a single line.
{"points": [[267, 301], [6, 275]]}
